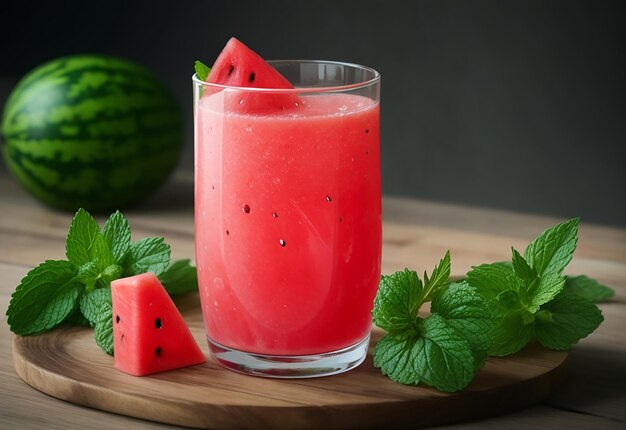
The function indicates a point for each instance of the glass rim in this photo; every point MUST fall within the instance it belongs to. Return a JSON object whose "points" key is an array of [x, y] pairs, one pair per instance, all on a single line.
{"points": [[321, 89]]}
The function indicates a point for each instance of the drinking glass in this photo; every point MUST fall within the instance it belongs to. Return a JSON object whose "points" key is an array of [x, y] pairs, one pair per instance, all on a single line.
{"points": [[288, 218]]}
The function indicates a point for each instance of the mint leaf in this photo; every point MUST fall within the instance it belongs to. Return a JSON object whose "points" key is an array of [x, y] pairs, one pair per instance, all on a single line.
{"points": [[565, 320], [90, 304], [148, 255], [443, 358], [467, 312], [545, 289], [85, 243], [80, 238], [202, 70], [437, 355], [44, 298], [492, 279], [506, 266], [103, 329], [97, 308], [537, 290], [397, 302], [513, 330], [116, 231], [438, 279], [180, 278], [587, 288], [395, 358], [553, 249], [522, 269], [101, 253]]}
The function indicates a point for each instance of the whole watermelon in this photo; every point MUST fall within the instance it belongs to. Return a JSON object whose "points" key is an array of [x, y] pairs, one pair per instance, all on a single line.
{"points": [[91, 131]]}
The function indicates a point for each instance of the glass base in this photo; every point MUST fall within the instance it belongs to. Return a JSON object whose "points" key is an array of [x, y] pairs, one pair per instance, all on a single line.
{"points": [[290, 366]]}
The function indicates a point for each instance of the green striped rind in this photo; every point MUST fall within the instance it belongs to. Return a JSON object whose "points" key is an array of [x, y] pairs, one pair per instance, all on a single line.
{"points": [[91, 131]]}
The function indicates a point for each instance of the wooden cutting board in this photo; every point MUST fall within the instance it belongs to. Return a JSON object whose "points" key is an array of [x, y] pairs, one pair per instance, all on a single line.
{"points": [[66, 363]]}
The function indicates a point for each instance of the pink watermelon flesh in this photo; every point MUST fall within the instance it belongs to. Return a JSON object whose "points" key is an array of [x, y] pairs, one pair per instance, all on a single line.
{"points": [[149, 333], [239, 66]]}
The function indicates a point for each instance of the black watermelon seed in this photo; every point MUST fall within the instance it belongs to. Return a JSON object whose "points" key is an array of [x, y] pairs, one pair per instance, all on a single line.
{"points": [[328, 199], [117, 319], [282, 242], [157, 351], [231, 70], [367, 130], [252, 76], [274, 215], [158, 323], [227, 233]]}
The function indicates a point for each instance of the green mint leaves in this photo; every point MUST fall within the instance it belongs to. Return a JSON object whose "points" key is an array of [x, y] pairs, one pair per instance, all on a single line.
{"points": [[496, 310], [466, 312], [442, 350], [80, 247], [553, 249], [116, 232], [397, 302], [77, 291], [180, 278], [44, 298], [438, 279], [96, 306], [565, 320], [151, 254], [587, 288], [530, 298], [202, 70]]}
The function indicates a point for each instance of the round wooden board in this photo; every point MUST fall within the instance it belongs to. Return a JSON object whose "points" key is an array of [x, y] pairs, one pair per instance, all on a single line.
{"points": [[66, 363]]}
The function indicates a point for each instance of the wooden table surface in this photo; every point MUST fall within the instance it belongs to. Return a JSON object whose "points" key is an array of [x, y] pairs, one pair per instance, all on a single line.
{"points": [[416, 234]]}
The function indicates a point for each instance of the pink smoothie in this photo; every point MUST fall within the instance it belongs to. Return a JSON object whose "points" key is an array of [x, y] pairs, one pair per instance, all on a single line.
{"points": [[288, 223]]}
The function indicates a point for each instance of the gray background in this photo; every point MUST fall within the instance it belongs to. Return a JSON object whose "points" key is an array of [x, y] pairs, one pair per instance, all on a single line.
{"points": [[516, 105]]}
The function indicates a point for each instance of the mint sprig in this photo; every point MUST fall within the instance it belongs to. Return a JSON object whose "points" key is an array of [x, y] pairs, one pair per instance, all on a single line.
{"points": [[445, 348], [202, 70], [531, 299], [77, 291], [496, 310]]}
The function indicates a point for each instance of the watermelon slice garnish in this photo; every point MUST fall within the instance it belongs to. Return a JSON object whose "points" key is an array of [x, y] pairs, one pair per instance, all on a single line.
{"points": [[149, 333], [239, 66]]}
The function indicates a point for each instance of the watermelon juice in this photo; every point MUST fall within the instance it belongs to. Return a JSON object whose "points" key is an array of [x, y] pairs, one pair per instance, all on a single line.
{"points": [[288, 222]]}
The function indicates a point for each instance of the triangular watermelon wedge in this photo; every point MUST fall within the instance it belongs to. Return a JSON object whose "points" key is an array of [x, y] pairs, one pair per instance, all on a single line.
{"points": [[149, 333], [239, 66]]}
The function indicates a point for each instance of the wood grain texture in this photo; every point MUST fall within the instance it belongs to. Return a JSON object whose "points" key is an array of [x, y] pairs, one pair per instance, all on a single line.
{"points": [[67, 364], [416, 234]]}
